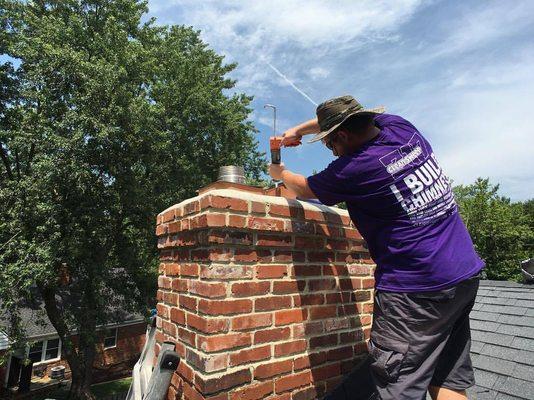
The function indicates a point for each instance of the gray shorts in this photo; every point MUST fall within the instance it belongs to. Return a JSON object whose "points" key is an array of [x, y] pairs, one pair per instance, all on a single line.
{"points": [[421, 339]]}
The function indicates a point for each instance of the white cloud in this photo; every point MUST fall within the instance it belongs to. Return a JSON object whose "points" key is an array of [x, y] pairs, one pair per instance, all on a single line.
{"points": [[292, 35], [462, 74]]}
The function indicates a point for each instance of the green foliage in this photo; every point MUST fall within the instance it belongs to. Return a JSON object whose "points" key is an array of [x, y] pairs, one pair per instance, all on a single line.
{"points": [[502, 231], [105, 122]]}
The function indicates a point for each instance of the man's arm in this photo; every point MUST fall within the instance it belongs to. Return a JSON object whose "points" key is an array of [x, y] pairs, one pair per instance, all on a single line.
{"points": [[294, 134], [295, 182]]}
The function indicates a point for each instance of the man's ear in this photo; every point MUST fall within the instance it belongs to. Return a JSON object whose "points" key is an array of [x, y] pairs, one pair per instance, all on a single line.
{"points": [[343, 135]]}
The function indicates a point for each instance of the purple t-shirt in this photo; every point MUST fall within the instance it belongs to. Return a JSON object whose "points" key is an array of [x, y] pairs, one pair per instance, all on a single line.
{"points": [[402, 203]]}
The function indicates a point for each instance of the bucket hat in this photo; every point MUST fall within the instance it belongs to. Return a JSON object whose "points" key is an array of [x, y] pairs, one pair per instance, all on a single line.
{"points": [[332, 113]]}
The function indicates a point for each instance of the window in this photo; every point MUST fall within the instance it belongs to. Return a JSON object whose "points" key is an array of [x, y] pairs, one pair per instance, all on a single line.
{"points": [[110, 338], [36, 352], [52, 349], [45, 350]]}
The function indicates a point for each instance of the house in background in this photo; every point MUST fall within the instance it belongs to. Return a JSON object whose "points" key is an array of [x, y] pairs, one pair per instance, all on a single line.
{"points": [[119, 346]]}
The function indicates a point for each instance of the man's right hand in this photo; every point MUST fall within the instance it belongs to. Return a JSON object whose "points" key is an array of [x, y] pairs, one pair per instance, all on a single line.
{"points": [[291, 137]]}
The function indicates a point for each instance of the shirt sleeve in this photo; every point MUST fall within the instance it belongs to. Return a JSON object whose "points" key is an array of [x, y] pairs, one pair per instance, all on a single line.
{"points": [[332, 185]]}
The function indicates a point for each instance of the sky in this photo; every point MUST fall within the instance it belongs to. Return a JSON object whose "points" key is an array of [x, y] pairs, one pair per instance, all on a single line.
{"points": [[461, 71]]}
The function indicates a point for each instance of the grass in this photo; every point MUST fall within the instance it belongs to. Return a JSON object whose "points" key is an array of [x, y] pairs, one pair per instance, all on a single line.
{"points": [[100, 390], [113, 387]]}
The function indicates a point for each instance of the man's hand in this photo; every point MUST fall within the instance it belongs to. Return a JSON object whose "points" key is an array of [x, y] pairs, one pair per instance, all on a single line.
{"points": [[291, 137], [275, 170]]}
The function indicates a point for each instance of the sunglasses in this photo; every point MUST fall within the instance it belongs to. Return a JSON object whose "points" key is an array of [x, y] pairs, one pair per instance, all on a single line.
{"points": [[328, 139]]}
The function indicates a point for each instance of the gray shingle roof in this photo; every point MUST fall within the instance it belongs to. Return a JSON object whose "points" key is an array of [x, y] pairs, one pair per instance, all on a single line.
{"points": [[36, 323], [502, 330]]}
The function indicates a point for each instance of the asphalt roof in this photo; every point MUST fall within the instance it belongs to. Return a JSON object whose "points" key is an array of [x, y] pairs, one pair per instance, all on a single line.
{"points": [[502, 333], [36, 323]]}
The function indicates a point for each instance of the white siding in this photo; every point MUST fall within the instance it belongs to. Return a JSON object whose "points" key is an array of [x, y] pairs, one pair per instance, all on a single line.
{"points": [[4, 343]]}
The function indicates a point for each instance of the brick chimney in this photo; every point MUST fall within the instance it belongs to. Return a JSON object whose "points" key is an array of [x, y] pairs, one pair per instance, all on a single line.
{"points": [[265, 297]]}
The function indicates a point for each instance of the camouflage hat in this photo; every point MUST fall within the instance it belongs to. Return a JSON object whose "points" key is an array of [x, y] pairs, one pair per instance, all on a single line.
{"points": [[332, 113]]}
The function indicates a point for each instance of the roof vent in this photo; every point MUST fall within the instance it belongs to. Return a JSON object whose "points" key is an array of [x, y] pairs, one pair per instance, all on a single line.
{"points": [[527, 268]]}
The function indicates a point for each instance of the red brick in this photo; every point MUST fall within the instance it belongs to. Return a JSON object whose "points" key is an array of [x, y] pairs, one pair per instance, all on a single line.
{"points": [[309, 393], [171, 269], [227, 381], [293, 286], [274, 241], [169, 328], [335, 270], [174, 227], [323, 341], [325, 372], [307, 242], [191, 207], [220, 255], [164, 282], [250, 355], [161, 230], [163, 310], [271, 335], [245, 255], [286, 211], [265, 371], [207, 363], [340, 353], [301, 227], [190, 393], [200, 255], [271, 271], [323, 312], [167, 216], [186, 372], [189, 270], [359, 269], [328, 231], [177, 316], [216, 219], [308, 299], [236, 221], [250, 288], [207, 289], [227, 341], [288, 348], [301, 363], [351, 233], [292, 381], [307, 270], [224, 203], [257, 207], [225, 237], [265, 224], [351, 337], [335, 324], [272, 303], [286, 317], [207, 325], [314, 215], [256, 392], [180, 285], [251, 321], [187, 302], [186, 336], [225, 307], [214, 271], [323, 256], [322, 284]]}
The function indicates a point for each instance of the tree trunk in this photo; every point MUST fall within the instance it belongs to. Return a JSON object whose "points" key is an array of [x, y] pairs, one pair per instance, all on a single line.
{"points": [[81, 382], [80, 359]]}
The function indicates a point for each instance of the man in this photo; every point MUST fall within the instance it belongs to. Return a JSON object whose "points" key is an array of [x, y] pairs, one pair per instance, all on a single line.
{"points": [[427, 271]]}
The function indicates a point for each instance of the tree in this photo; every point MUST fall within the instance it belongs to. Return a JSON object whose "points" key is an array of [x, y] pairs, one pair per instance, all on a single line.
{"points": [[501, 230], [105, 122]]}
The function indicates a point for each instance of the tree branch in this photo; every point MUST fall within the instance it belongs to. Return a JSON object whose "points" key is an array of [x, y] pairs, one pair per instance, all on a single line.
{"points": [[5, 160]]}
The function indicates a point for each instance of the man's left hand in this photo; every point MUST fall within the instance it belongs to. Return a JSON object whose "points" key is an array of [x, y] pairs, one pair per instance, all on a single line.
{"points": [[275, 170]]}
